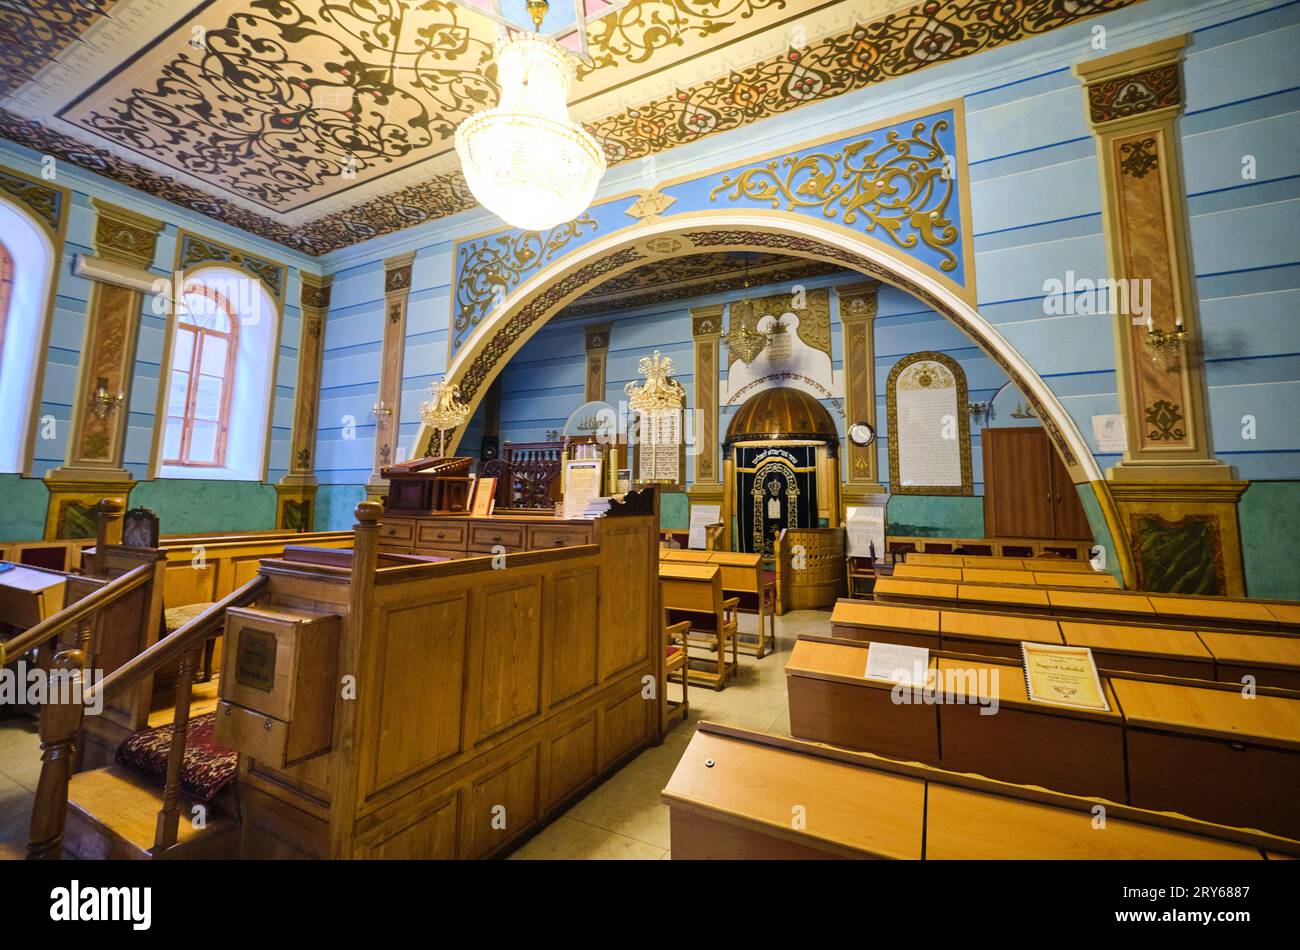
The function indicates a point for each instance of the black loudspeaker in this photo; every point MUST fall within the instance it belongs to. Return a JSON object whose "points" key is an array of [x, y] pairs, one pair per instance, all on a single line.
{"points": [[488, 448]]}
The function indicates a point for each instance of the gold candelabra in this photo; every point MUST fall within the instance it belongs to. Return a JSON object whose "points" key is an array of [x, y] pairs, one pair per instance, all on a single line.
{"points": [[1165, 345], [444, 411]]}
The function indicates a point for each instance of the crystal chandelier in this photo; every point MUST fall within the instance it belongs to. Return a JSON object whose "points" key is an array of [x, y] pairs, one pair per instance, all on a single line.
{"points": [[444, 411], [525, 160]]}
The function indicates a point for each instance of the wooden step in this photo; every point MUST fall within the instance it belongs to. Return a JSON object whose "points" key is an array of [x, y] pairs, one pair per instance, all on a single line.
{"points": [[113, 814]]}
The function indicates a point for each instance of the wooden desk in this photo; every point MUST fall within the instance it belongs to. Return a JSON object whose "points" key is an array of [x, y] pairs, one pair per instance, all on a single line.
{"points": [[832, 700], [733, 793], [1080, 751], [993, 634], [740, 805], [1274, 660], [28, 595], [1200, 608], [1012, 596], [928, 572], [967, 824], [1104, 602], [1214, 753], [694, 592], [1159, 651], [884, 623]]}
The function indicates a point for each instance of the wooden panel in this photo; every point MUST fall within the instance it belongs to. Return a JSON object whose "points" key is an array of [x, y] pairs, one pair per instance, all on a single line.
{"points": [[505, 651], [570, 761], [573, 644], [421, 663], [427, 834], [1032, 748], [1216, 713], [696, 837], [1233, 783], [503, 803], [964, 824], [1017, 483], [859, 716], [626, 634], [1017, 596], [626, 721], [858, 613]]}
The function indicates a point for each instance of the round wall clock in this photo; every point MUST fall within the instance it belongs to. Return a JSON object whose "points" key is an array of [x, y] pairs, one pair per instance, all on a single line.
{"points": [[860, 433]]}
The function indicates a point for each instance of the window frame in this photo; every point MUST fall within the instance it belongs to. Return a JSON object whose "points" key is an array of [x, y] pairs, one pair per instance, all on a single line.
{"points": [[6, 289], [201, 289]]}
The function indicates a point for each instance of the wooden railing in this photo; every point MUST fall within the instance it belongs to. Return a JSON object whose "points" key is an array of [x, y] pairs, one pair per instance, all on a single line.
{"points": [[60, 722], [52, 626]]}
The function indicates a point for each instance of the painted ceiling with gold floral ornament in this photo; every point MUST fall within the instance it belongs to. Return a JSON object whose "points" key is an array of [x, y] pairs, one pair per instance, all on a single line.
{"points": [[322, 123], [696, 275]]}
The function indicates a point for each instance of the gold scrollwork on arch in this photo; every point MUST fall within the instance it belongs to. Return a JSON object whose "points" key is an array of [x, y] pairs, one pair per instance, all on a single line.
{"points": [[902, 185], [488, 269]]}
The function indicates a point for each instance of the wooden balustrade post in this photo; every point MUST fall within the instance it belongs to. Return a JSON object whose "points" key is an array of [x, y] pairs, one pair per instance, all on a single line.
{"points": [[59, 724], [108, 529], [169, 815], [361, 599]]}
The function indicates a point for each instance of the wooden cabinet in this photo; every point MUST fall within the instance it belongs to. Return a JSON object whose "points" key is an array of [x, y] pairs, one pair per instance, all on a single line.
{"points": [[1027, 491], [278, 683]]}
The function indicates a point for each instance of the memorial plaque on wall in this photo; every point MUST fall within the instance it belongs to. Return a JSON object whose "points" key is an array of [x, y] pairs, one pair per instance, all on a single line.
{"points": [[929, 429]]}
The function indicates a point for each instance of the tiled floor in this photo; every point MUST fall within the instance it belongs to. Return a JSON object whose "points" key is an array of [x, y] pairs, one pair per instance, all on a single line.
{"points": [[622, 818], [20, 768]]}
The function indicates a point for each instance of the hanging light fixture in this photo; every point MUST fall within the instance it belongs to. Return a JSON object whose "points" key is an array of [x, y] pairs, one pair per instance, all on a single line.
{"points": [[744, 341], [525, 160]]}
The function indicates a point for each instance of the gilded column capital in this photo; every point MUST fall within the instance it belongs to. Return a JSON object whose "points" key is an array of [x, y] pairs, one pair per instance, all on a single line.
{"points": [[397, 273], [597, 336], [316, 291], [124, 236], [1134, 86], [858, 301], [707, 321]]}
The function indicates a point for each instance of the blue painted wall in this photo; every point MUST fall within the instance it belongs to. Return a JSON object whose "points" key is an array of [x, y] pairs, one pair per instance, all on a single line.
{"points": [[1036, 216]]}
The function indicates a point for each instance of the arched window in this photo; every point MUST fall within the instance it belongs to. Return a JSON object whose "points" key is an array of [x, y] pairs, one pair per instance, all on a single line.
{"points": [[202, 377], [26, 280], [217, 396]]}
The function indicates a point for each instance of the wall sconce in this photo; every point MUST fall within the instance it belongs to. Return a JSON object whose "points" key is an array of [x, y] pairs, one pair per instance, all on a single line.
{"points": [[979, 412], [1165, 346], [382, 413], [102, 402]]}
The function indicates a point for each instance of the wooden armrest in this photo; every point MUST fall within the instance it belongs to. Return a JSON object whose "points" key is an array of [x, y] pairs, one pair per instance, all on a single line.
{"points": [[679, 629], [731, 603]]}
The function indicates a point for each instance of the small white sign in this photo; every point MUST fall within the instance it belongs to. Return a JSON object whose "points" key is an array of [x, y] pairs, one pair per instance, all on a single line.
{"points": [[1109, 433], [865, 526], [701, 517], [898, 664]]}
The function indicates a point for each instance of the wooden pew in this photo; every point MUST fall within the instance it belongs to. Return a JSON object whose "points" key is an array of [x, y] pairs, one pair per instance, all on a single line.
{"points": [[1197, 748], [1036, 548], [1070, 579], [743, 578], [745, 795], [693, 592], [1272, 660], [1224, 613], [1053, 565]]}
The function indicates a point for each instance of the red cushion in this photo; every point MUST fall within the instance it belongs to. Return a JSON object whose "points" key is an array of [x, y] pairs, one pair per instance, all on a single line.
{"points": [[672, 651]]}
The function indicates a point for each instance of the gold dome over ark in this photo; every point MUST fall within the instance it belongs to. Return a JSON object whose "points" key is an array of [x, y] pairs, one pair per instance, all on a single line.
{"points": [[782, 413]]}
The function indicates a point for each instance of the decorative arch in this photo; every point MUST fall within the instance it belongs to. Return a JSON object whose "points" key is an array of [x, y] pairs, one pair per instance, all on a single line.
{"points": [[522, 312]]}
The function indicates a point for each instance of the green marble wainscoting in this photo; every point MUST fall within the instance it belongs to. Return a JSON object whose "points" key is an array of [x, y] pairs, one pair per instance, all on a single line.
{"points": [[336, 506], [1269, 513], [935, 516], [674, 511], [200, 506], [1100, 530], [22, 514]]}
